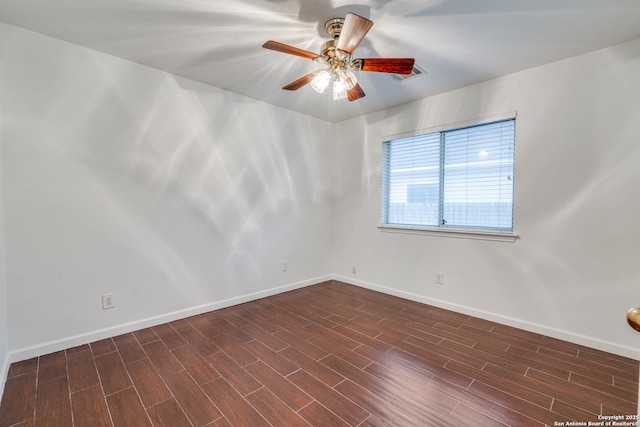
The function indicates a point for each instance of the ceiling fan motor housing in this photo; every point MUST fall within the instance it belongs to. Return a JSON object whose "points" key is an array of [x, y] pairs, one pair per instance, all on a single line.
{"points": [[334, 27], [337, 58]]}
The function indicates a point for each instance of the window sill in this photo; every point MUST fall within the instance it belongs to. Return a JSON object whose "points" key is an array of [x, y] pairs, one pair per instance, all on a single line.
{"points": [[496, 236]]}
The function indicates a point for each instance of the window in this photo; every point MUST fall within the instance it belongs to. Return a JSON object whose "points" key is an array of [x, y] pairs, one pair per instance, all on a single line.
{"points": [[454, 179]]}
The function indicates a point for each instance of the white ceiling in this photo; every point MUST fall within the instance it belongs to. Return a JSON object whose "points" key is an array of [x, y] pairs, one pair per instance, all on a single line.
{"points": [[456, 42]]}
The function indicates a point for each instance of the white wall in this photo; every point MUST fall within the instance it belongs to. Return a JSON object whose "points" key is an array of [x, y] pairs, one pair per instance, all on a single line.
{"points": [[179, 197], [575, 270], [4, 349], [176, 196]]}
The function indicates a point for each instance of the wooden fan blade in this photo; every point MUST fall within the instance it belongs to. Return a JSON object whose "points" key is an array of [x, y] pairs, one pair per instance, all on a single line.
{"points": [[295, 85], [388, 65], [285, 48], [354, 29], [355, 93]]}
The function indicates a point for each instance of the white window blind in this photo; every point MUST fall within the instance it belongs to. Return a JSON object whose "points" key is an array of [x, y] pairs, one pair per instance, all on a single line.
{"points": [[460, 178]]}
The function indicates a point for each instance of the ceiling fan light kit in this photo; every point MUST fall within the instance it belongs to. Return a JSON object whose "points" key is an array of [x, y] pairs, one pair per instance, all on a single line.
{"points": [[335, 56]]}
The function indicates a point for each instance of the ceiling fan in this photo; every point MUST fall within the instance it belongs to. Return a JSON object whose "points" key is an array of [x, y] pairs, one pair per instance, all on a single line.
{"points": [[336, 58]]}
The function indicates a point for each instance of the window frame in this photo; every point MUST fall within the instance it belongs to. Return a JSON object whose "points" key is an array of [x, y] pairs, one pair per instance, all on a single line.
{"points": [[443, 230]]}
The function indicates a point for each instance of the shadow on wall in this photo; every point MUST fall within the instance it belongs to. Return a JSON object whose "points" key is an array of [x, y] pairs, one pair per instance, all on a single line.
{"points": [[149, 171]]}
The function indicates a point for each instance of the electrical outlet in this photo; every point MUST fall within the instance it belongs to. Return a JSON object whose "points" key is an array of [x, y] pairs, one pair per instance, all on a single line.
{"points": [[108, 301], [285, 266], [439, 277], [354, 270]]}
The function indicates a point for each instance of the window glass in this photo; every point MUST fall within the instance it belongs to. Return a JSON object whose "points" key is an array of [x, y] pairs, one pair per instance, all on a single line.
{"points": [[460, 178]]}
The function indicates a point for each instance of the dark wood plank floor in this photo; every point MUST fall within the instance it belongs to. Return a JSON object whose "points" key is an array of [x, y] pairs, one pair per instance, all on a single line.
{"points": [[326, 355]]}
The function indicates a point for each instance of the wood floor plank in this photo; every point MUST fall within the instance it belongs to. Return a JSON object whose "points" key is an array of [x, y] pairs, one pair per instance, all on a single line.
{"points": [[516, 335], [259, 314], [129, 348], [449, 333], [78, 348], [168, 414], [18, 399], [102, 347], [384, 389], [318, 415], [52, 367], [180, 325], [486, 403], [201, 371], [341, 348], [234, 349], [431, 357], [220, 422], [126, 409], [113, 375], [618, 409], [23, 367], [482, 357], [145, 336], [302, 345], [312, 315], [514, 384], [548, 364], [90, 408], [463, 415], [148, 383], [510, 359], [163, 360], [331, 336], [329, 398], [82, 371], [329, 354], [202, 324], [53, 404], [270, 357], [238, 377], [418, 363], [267, 339], [275, 410], [395, 412], [279, 386], [511, 409], [568, 411], [169, 336], [291, 323], [230, 330], [197, 341], [458, 354], [586, 381], [399, 329], [238, 411], [234, 317], [363, 335], [315, 368], [477, 323], [26, 423], [630, 386], [374, 421], [192, 399], [401, 379], [495, 340], [575, 390]]}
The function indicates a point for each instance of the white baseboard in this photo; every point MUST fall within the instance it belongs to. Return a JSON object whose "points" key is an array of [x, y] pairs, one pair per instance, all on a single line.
{"points": [[609, 347], [4, 372], [76, 340]]}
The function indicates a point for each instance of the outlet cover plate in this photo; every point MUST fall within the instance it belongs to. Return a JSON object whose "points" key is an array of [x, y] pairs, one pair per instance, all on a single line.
{"points": [[108, 301]]}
